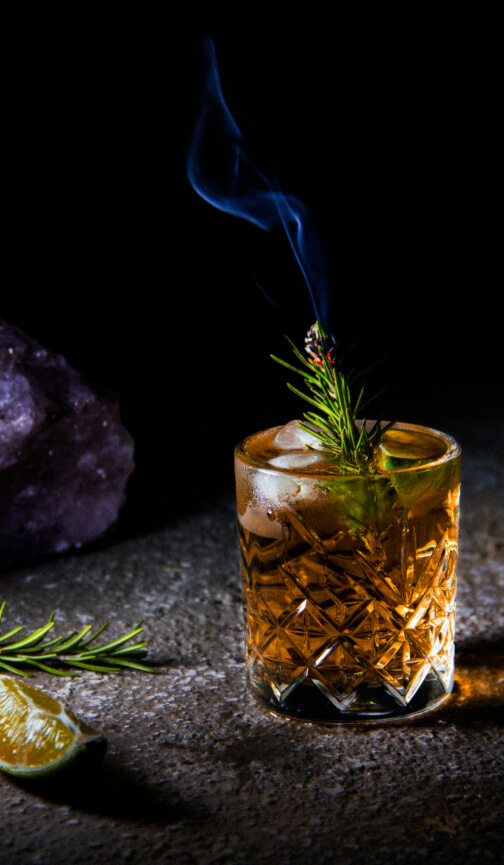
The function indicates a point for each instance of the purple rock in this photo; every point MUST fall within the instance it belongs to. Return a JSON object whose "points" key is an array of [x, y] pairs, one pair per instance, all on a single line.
{"points": [[65, 457]]}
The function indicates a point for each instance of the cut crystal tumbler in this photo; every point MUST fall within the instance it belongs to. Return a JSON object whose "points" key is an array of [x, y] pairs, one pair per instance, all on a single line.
{"points": [[349, 579]]}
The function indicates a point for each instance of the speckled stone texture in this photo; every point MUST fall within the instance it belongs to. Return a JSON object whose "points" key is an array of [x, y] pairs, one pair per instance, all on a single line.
{"points": [[198, 773]]}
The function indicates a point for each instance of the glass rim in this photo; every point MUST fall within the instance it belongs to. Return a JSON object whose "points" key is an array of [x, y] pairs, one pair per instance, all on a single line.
{"points": [[453, 450]]}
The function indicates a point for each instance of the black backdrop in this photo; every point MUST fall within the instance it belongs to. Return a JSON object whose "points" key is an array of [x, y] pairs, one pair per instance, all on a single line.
{"points": [[384, 128]]}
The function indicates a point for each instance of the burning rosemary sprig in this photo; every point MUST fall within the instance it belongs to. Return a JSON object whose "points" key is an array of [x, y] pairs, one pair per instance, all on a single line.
{"points": [[70, 651], [345, 441]]}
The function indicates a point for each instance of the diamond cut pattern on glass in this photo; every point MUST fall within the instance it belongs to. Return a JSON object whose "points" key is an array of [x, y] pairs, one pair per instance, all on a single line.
{"points": [[342, 619]]}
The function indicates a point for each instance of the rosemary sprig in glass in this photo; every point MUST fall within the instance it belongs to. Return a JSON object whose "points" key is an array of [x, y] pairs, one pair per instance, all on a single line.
{"points": [[345, 440], [74, 650]]}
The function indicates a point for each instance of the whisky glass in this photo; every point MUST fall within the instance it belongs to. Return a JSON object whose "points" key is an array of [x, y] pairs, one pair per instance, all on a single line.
{"points": [[349, 579]]}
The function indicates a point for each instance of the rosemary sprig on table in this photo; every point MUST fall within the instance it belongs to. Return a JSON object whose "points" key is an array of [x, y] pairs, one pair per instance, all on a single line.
{"points": [[345, 441], [74, 650]]}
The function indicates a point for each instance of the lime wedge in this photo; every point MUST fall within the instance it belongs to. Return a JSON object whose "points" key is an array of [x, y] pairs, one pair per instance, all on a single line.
{"points": [[38, 736]]}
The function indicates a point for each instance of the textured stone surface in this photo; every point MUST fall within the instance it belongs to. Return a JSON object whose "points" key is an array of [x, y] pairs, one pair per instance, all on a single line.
{"points": [[197, 773], [64, 456]]}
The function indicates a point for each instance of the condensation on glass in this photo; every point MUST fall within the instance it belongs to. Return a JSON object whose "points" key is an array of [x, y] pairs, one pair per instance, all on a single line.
{"points": [[349, 580]]}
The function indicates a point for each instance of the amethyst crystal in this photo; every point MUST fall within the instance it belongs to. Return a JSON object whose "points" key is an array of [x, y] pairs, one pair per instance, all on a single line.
{"points": [[65, 458]]}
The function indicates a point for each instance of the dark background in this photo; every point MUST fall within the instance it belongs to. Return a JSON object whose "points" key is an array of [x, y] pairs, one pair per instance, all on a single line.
{"points": [[384, 128]]}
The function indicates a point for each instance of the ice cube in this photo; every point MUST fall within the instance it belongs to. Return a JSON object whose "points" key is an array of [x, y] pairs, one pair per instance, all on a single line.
{"points": [[293, 436], [271, 488], [261, 521], [273, 497], [267, 493], [296, 459]]}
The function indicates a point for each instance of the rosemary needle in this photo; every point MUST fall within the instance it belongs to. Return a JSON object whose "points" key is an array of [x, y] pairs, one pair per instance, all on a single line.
{"points": [[344, 440], [73, 650]]}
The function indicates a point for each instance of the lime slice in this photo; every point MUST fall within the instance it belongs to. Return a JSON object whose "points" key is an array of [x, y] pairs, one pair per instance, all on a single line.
{"points": [[400, 449], [38, 736]]}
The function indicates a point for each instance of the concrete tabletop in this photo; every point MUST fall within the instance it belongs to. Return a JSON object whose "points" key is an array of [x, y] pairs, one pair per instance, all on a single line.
{"points": [[197, 772]]}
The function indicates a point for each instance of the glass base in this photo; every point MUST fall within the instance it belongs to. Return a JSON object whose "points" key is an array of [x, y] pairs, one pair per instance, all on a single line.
{"points": [[369, 706]]}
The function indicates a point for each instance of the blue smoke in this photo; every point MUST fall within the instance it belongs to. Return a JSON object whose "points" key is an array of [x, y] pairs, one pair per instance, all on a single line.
{"points": [[222, 172]]}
